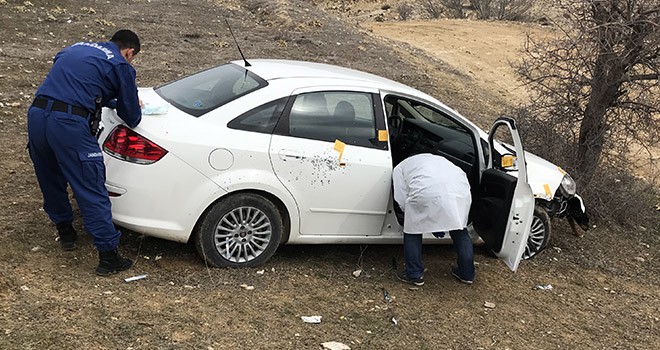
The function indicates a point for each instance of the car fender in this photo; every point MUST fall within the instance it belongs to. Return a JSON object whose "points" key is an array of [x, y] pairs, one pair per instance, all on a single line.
{"points": [[254, 180], [543, 177]]}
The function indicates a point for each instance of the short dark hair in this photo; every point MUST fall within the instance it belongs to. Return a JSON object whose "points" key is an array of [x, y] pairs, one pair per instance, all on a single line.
{"points": [[126, 39]]}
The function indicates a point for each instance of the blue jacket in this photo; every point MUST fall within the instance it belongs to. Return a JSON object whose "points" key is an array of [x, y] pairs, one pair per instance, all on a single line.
{"points": [[83, 71]]}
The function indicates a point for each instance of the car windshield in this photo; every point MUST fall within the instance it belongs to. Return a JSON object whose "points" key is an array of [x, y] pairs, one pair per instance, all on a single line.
{"points": [[205, 91], [438, 118]]}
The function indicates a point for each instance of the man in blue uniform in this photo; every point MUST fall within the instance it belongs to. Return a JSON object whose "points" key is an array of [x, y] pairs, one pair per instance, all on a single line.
{"points": [[63, 148]]}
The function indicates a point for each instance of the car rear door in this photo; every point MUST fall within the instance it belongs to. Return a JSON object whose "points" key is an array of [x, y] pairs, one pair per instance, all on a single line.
{"points": [[329, 150], [502, 213]]}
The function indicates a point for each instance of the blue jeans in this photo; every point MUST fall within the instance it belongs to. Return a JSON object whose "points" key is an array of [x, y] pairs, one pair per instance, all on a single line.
{"points": [[465, 252], [412, 254]]}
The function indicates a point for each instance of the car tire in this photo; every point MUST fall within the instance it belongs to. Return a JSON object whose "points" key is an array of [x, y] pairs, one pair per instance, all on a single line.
{"points": [[539, 235], [243, 230]]}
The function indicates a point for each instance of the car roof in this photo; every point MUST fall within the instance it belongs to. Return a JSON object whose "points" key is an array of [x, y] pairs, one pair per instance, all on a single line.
{"points": [[271, 69]]}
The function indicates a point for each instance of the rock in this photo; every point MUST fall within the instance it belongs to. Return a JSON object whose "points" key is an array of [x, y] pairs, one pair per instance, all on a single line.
{"points": [[640, 259]]}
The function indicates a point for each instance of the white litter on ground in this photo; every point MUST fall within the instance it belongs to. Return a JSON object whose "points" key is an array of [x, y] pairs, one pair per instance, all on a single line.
{"points": [[135, 278], [334, 345], [311, 319]]}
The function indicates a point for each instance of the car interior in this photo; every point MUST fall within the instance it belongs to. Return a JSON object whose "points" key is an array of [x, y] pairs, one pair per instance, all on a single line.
{"points": [[415, 128], [412, 132]]}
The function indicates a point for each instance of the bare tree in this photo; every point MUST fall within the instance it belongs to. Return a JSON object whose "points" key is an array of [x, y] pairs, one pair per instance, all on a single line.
{"points": [[597, 85]]}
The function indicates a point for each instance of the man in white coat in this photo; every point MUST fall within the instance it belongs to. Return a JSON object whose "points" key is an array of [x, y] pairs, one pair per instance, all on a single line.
{"points": [[434, 195]]}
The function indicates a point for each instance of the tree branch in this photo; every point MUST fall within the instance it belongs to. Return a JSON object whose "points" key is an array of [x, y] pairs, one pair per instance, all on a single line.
{"points": [[654, 76]]}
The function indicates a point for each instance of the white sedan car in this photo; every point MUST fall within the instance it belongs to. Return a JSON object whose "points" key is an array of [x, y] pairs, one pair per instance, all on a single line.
{"points": [[243, 157]]}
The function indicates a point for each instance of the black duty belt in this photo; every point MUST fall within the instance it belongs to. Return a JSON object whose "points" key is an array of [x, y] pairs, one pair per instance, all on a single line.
{"points": [[60, 106]]}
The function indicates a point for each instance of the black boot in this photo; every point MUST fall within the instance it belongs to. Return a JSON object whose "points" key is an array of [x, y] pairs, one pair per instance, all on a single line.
{"points": [[68, 235], [111, 262]]}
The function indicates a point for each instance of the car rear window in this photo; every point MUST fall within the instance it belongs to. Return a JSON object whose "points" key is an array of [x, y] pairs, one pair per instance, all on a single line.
{"points": [[207, 90]]}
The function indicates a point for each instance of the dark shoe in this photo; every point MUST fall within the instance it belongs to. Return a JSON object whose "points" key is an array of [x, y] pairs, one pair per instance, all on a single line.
{"points": [[68, 235], [404, 278], [111, 262], [454, 272]]}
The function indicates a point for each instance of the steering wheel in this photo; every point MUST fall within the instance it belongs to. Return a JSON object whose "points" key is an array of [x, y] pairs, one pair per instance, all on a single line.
{"points": [[396, 126]]}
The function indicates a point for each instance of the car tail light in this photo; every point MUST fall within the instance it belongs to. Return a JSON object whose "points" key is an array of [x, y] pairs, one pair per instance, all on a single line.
{"points": [[126, 144]]}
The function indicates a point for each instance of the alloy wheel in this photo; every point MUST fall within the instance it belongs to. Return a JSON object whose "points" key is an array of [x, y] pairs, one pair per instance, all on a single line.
{"points": [[242, 234]]}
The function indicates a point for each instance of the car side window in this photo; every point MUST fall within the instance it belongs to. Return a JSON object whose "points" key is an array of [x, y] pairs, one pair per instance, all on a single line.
{"points": [[334, 115], [260, 119]]}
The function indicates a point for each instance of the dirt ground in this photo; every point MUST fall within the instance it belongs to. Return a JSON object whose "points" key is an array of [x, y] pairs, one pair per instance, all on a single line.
{"points": [[605, 285]]}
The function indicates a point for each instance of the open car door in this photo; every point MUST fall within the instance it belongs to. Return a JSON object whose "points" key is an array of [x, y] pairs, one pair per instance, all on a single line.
{"points": [[502, 212]]}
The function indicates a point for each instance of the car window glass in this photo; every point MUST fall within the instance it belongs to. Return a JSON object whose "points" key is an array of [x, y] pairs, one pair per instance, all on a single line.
{"points": [[438, 117], [484, 146], [205, 91], [334, 115], [260, 119]]}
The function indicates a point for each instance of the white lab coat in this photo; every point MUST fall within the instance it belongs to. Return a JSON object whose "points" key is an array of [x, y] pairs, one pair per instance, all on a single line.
{"points": [[433, 193]]}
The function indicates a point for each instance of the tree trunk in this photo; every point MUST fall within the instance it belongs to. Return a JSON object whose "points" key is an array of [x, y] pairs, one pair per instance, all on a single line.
{"points": [[604, 93]]}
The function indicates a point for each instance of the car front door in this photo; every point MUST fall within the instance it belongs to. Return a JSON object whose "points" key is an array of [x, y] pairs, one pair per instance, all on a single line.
{"points": [[502, 213], [329, 150]]}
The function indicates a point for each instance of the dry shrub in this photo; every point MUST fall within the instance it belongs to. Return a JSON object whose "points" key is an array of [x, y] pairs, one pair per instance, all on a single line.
{"points": [[259, 6], [454, 8], [405, 11], [614, 195], [432, 7], [510, 10]]}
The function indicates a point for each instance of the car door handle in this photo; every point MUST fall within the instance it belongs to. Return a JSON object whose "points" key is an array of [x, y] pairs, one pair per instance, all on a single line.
{"points": [[287, 154]]}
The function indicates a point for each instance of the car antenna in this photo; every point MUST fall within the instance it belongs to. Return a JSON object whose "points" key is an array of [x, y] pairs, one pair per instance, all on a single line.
{"points": [[247, 64]]}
